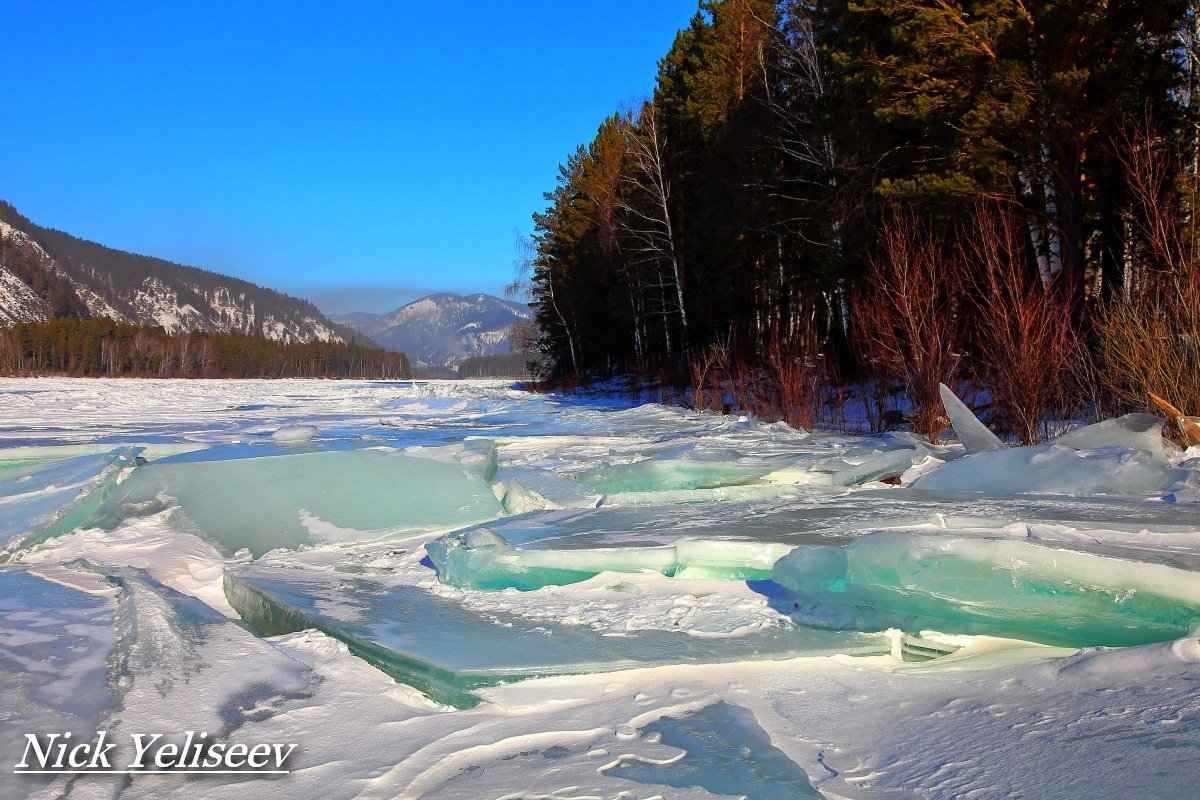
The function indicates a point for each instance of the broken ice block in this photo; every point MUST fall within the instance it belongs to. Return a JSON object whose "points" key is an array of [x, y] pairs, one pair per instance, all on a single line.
{"points": [[293, 500], [1000, 587], [295, 433]]}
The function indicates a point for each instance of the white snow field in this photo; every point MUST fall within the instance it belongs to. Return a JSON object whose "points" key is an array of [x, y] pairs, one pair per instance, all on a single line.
{"points": [[458, 590]]}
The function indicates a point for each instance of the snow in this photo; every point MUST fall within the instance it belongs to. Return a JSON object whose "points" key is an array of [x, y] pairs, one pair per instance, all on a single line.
{"points": [[465, 591]]}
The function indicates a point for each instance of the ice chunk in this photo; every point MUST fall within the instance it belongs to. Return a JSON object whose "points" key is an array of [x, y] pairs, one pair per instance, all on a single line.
{"points": [[447, 651], [1055, 469], [42, 500], [295, 433], [973, 434], [852, 471], [1134, 431], [530, 488], [516, 499], [288, 501], [483, 537], [1001, 587]]}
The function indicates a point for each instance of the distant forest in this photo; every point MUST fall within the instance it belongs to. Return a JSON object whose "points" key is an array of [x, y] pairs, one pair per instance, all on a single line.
{"points": [[505, 365], [826, 203], [104, 347]]}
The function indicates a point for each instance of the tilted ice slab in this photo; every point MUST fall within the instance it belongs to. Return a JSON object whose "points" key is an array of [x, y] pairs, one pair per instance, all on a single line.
{"points": [[999, 587], [42, 500], [289, 501], [447, 651], [974, 435]]}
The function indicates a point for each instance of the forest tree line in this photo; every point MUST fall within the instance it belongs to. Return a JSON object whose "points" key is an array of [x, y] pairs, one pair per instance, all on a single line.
{"points": [[502, 365], [105, 347], [833, 202]]}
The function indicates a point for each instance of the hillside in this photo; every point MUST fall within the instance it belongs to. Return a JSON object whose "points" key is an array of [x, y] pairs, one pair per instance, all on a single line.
{"points": [[46, 273], [441, 330]]}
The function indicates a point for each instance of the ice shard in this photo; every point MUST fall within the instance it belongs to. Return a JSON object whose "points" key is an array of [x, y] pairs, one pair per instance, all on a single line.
{"points": [[974, 435]]}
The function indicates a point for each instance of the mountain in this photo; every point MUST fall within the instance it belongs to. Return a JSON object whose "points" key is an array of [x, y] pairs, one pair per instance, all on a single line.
{"points": [[441, 330], [45, 273]]}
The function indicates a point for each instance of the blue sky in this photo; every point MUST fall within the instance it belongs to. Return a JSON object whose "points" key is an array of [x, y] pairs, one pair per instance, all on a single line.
{"points": [[357, 154]]}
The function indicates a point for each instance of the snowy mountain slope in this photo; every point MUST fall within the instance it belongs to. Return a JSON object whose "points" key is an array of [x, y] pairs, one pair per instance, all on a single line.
{"points": [[442, 329], [46, 273], [18, 301]]}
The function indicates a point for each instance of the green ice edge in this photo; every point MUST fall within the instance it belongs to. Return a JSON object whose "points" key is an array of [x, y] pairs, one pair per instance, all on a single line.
{"points": [[269, 617]]}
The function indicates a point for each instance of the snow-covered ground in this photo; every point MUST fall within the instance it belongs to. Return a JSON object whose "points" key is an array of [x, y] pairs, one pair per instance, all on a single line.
{"points": [[457, 590]]}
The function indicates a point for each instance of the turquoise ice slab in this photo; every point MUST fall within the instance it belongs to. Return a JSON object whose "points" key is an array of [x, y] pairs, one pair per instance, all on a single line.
{"points": [[977, 585], [287, 501], [40, 499], [742, 540], [55, 644], [446, 651], [685, 471], [726, 752]]}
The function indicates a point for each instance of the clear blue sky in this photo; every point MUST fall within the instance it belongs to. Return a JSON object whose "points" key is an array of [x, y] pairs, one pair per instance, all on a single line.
{"points": [[357, 154]]}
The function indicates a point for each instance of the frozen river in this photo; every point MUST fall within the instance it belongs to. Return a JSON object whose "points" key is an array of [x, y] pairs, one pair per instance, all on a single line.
{"points": [[458, 590]]}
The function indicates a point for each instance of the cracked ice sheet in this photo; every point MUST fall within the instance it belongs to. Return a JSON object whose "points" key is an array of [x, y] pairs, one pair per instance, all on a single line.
{"points": [[55, 644], [179, 666]]}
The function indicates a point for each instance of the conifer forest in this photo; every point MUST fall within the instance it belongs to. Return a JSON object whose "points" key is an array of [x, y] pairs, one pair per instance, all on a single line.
{"points": [[833, 204]]}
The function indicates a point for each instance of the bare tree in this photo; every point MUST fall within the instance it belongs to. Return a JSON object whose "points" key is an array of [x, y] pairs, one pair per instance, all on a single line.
{"points": [[646, 202]]}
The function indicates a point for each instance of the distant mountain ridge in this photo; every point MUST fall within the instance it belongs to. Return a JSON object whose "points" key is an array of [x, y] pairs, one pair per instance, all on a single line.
{"points": [[440, 330], [45, 273]]}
